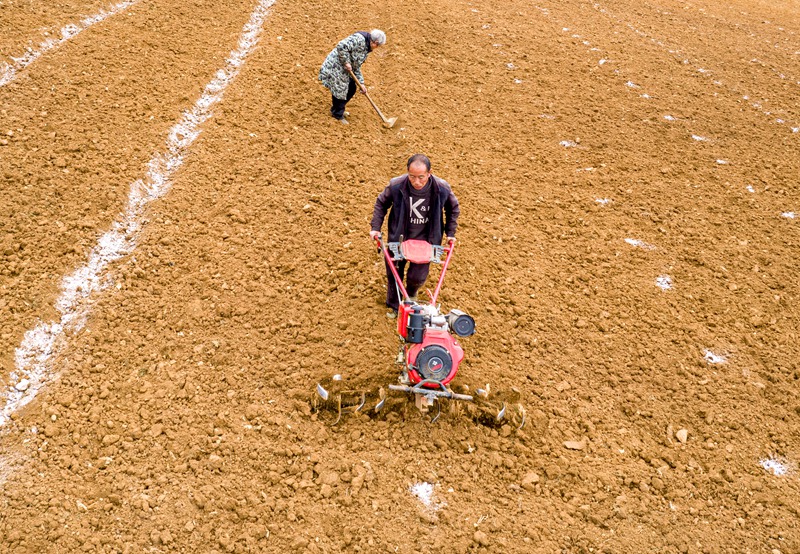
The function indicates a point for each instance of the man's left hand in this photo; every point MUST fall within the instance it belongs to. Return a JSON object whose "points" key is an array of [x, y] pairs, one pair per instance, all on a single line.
{"points": [[451, 240]]}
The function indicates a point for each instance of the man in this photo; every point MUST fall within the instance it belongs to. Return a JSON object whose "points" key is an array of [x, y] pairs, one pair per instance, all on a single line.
{"points": [[349, 55], [421, 206]]}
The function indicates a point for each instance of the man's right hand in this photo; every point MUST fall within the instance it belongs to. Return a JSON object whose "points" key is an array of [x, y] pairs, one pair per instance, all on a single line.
{"points": [[374, 235]]}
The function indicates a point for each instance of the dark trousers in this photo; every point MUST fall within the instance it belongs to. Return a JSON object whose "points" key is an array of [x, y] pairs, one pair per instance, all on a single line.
{"points": [[417, 274], [337, 106]]}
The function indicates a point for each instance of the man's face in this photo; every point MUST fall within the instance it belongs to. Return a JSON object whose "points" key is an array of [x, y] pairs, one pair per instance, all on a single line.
{"points": [[418, 174]]}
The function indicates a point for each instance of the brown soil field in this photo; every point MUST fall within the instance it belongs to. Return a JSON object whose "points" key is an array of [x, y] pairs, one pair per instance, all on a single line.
{"points": [[628, 246]]}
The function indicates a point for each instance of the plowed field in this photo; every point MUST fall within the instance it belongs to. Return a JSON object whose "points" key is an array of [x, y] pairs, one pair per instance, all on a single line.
{"points": [[628, 246]]}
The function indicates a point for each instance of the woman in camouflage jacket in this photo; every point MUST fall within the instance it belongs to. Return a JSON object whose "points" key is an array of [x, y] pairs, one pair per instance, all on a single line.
{"points": [[350, 53]]}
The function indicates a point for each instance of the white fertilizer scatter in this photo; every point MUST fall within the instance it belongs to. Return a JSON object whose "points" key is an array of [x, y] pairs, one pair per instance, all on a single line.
{"points": [[568, 143], [8, 72], [511, 66], [645, 95], [788, 215], [33, 358], [601, 62], [669, 118], [664, 282], [778, 466], [714, 359], [636, 243], [699, 138], [750, 188], [425, 494], [603, 201], [722, 162], [631, 84], [517, 81]]}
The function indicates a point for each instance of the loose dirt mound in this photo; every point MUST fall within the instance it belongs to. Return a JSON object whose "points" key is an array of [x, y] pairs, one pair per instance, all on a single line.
{"points": [[627, 174]]}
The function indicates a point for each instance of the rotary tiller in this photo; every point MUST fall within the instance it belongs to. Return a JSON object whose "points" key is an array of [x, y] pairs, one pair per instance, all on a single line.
{"points": [[429, 352]]}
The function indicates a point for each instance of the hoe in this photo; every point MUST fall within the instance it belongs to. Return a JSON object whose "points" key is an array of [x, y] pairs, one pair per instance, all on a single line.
{"points": [[388, 122]]}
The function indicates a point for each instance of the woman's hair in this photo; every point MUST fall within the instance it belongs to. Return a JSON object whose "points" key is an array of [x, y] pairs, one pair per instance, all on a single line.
{"points": [[378, 36]]}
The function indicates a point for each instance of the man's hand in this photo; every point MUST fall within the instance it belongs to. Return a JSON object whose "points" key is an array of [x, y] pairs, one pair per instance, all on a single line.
{"points": [[451, 240], [374, 235]]}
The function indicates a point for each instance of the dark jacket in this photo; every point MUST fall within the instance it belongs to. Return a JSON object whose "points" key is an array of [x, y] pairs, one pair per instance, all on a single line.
{"points": [[394, 199]]}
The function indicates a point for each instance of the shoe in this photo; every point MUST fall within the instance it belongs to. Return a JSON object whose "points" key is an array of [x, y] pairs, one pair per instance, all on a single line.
{"points": [[391, 314], [344, 121], [346, 114]]}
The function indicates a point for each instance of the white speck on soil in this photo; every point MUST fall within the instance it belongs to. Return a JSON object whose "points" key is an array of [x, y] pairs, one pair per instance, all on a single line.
{"points": [[425, 494], [712, 358], [664, 282], [778, 466], [636, 243]]}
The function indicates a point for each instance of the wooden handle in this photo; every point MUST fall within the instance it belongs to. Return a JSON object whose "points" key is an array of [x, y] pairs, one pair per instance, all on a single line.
{"points": [[353, 75]]}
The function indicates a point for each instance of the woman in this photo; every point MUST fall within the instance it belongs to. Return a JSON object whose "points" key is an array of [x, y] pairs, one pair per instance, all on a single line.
{"points": [[348, 55]]}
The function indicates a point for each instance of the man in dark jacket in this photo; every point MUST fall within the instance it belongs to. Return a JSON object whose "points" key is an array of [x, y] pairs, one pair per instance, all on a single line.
{"points": [[421, 206]]}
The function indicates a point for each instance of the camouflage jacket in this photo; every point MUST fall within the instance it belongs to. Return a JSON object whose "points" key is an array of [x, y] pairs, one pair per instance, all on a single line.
{"points": [[353, 49]]}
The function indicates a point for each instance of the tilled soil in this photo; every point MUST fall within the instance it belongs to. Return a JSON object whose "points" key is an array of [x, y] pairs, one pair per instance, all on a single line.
{"points": [[598, 151]]}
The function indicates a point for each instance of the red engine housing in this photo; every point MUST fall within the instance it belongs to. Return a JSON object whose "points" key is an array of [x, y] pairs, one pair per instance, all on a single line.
{"points": [[429, 351]]}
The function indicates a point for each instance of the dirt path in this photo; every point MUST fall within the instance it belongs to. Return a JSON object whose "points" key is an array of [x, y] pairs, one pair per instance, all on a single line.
{"points": [[181, 417]]}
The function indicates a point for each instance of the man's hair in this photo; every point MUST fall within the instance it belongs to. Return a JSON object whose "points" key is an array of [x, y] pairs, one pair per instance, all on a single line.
{"points": [[377, 36], [419, 158]]}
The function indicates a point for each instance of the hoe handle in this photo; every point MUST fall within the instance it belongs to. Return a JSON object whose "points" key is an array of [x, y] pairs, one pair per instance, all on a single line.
{"points": [[358, 83]]}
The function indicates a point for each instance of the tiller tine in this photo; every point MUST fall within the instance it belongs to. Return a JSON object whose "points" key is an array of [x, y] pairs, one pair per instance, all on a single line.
{"points": [[332, 395], [501, 414], [381, 402], [361, 405], [499, 409]]}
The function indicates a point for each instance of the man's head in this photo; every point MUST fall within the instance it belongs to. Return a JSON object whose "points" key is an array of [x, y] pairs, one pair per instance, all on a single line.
{"points": [[419, 170], [376, 38]]}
